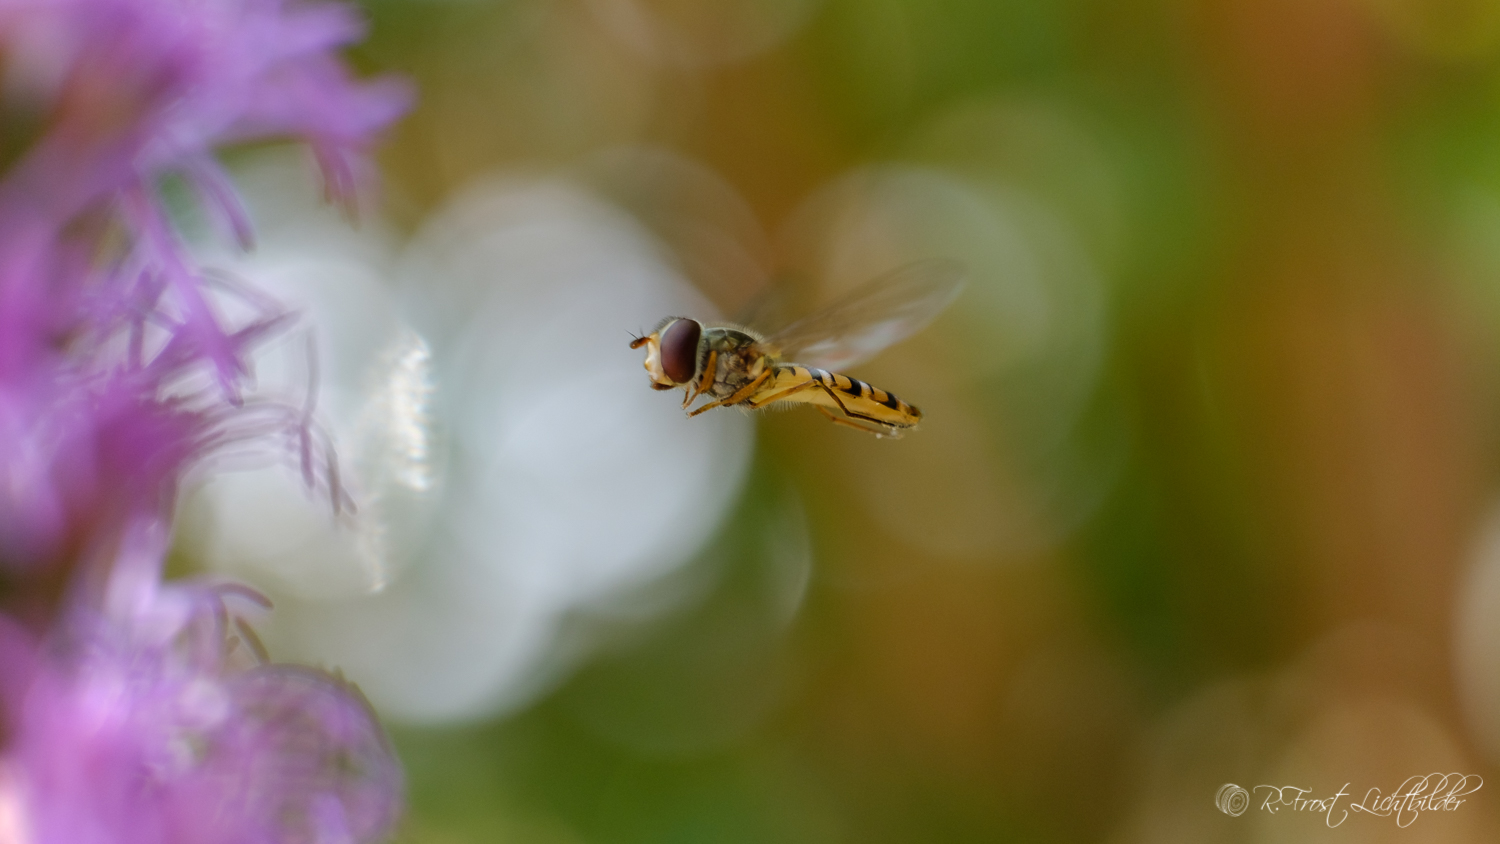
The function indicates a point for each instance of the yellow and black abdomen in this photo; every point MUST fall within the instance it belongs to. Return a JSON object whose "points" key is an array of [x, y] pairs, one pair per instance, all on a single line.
{"points": [[850, 396]]}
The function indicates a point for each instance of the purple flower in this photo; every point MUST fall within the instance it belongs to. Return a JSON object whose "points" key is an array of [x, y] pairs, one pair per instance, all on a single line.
{"points": [[174, 731], [125, 92], [133, 710]]}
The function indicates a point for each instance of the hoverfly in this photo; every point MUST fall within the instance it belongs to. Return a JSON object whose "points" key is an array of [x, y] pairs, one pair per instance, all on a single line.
{"points": [[738, 366]]}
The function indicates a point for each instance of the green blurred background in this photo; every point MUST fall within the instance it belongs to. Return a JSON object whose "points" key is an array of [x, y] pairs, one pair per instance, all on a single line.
{"points": [[1206, 502]]}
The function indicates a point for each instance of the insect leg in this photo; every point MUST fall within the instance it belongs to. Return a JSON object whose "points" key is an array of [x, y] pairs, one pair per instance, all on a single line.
{"points": [[885, 429], [882, 431], [789, 391], [739, 395], [697, 389], [748, 390], [710, 370]]}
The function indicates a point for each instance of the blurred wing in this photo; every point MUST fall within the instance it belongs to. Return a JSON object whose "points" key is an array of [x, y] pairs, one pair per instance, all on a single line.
{"points": [[891, 308], [770, 308]]}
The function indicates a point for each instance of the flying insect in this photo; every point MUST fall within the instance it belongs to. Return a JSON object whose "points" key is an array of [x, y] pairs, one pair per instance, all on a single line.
{"points": [[737, 366]]}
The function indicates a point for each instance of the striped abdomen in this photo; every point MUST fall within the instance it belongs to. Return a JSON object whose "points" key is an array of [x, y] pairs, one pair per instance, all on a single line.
{"points": [[849, 395]]}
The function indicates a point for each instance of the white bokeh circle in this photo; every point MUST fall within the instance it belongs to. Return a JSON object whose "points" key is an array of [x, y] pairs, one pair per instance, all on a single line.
{"points": [[541, 478]]}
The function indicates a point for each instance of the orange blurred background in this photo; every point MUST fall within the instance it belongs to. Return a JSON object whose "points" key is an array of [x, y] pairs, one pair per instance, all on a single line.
{"points": [[1206, 487]]}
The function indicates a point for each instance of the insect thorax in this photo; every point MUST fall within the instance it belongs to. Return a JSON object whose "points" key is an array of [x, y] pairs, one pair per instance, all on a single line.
{"points": [[740, 358]]}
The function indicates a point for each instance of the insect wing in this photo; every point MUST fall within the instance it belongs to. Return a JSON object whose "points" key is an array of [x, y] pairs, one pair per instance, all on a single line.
{"points": [[767, 311], [887, 310]]}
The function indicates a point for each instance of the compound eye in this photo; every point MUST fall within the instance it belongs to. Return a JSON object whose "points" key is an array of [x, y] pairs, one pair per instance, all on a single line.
{"points": [[679, 350]]}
